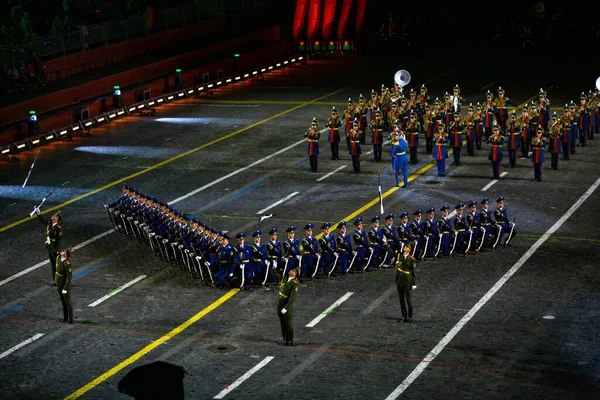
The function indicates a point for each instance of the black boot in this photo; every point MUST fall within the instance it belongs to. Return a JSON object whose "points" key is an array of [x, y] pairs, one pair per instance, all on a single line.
{"points": [[403, 309], [290, 335], [65, 317], [70, 316], [285, 337], [410, 314]]}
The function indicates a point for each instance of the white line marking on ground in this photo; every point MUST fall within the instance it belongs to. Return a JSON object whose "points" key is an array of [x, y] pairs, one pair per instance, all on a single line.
{"points": [[10, 205], [489, 185], [471, 313], [225, 105], [117, 290], [331, 173], [237, 171], [325, 313], [242, 378], [289, 196], [38, 265], [487, 86], [17, 347], [64, 183]]}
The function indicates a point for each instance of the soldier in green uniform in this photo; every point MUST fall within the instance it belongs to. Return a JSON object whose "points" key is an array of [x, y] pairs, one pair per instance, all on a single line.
{"points": [[53, 238], [63, 278], [405, 280], [285, 305]]}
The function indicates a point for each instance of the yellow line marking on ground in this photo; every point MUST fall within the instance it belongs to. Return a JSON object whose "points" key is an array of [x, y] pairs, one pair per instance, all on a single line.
{"points": [[170, 160], [80, 392]]}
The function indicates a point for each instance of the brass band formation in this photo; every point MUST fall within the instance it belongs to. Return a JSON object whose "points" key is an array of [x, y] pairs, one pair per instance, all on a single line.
{"points": [[413, 117]]}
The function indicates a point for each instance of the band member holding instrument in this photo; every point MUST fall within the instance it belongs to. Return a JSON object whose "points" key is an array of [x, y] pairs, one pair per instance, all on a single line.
{"points": [[312, 136], [470, 127], [428, 127], [478, 122], [440, 150], [514, 139], [361, 112], [377, 127], [355, 149], [566, 137], [455, 130], [349, 116], [554, 141], [525, 132], [412, 129], [583, 120], [63, 277], [334, 123], [543, 109], [496, 140], [537, 146], [502, 111], [489, 110], [400, 160]]}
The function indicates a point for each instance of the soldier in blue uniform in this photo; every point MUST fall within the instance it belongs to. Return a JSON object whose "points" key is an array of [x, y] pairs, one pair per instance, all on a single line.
{"points": [[430, 230], [391, 241], [310, 257], [400, 160], [403, 230], [257, 261], [460, 230], [486, 220], [273, 249], [243, 254], [416, 233], [361, 242], [503, 224], [344, 247], [329, 257], [445, 232], [291, 251], [474, 225], [225, 262], [376, 243]]}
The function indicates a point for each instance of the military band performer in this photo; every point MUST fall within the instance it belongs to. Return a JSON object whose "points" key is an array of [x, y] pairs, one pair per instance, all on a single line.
{"points": [[455, 130], [489, 112], [405, 279], [496, 141], [537, 146], [502, 110], [334, 123], [574, 128], [349, 116], [469, 123], [428, 128], [583, 115], [514, 139], [440, 149], [312, 136], [554, 146], [53, 238], [566, 137], [413, 128], [63, 277], [478, 122], [377, 126], [354, 146], [525, 124], [361, 113]]}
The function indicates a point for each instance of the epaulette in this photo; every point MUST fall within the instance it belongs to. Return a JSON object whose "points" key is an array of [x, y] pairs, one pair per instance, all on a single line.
{"points": [[67, 262], [412, 258], [58, 226]]}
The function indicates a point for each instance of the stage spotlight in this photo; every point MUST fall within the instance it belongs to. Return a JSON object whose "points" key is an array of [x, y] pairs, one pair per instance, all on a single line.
{"points": [[117, 101]]}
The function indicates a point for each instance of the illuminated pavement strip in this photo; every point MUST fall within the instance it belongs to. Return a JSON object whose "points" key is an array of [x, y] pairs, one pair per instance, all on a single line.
{"points": [[242, 378], [117, 290], [17, 347]]}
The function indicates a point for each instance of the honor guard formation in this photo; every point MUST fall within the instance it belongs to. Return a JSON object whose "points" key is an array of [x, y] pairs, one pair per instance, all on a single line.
{"points": [[528, 131], [207, 254]]}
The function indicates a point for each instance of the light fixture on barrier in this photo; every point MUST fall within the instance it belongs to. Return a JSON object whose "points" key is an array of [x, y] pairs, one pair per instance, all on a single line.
{"points": [[160, 100], [270, 68], [237, 78], [180, 94], [254, 72], [178, 79], [263, 70], [31, 123], [62, 132], [300, 58], [227, 80], [131, 108], [5, 150], [111, 115], [50, 136], [19, 146], [293, 60], [219, 82], [75, 128], [140, 106], [190, 91], [209, 85], [88, 123], [151, 102], [101, 118], [117, 101], [170, 96], [285, 62], [278, 65], [121, 112], [246, 75], [200, 88]]}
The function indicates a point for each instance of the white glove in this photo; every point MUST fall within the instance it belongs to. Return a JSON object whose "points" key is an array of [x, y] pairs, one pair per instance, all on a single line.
{"points": [[283, 310], [298, 258], [230, 274], [336, 254], [414, 286], [384, 239], [243, 266], [47, 239], [64, 291], [207, 264], [274, 264], [37, 210], [440, 235], [353, 253], [266, 263]]}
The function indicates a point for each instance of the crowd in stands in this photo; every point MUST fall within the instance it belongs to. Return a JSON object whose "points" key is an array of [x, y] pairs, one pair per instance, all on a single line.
{"points": [[25, 77]]}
